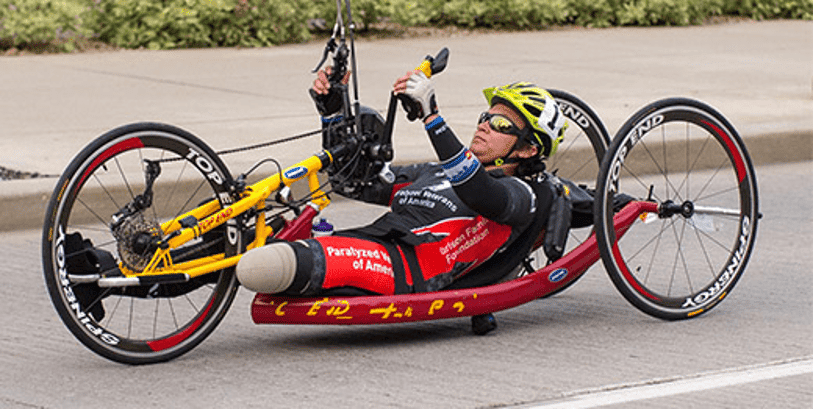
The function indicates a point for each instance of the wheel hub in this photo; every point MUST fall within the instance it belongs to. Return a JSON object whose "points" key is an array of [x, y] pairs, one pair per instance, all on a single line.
{"points": [[136, 237], [670, 208]]}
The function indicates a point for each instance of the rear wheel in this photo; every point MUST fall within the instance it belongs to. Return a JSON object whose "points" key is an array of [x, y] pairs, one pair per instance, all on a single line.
{"points": [[87, 235], [685, 156], [577, 159]]}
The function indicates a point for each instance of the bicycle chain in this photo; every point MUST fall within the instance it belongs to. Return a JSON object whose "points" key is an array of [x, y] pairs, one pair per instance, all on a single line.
{"points": [[252, 147], [270, 143]]}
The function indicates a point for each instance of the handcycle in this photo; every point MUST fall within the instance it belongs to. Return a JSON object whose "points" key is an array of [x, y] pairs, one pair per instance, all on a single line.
{"points": [[146, 224]]}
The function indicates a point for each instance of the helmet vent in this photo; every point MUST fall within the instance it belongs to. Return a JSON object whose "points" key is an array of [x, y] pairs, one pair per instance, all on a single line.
{"points": [[532, 109]]}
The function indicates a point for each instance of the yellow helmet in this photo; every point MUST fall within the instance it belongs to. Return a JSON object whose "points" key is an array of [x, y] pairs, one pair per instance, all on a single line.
{"points": [[539, 110]]}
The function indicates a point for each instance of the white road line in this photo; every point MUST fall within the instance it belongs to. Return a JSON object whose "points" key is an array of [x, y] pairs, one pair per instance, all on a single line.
{"points": [[657, 388]]}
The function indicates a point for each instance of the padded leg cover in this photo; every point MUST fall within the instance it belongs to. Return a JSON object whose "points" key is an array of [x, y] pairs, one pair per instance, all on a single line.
{"points": [[268, 269]]}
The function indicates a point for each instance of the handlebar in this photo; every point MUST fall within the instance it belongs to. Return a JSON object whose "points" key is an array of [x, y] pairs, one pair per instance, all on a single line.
{"points": [[380, 146]]}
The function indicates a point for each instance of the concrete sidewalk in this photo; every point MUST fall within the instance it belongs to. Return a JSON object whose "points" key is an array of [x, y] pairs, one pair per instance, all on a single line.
{"points": [[758, 74]]}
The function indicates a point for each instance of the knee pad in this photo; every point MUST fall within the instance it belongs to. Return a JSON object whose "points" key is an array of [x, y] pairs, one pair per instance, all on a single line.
{"points": [[269, 269]]}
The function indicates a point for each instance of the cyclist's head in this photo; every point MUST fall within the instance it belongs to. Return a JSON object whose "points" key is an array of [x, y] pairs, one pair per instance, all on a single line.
{"points": [[544, 122]]}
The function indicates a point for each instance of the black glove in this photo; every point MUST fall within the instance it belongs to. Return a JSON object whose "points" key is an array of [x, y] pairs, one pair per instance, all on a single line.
{"points": [[328, 104]]}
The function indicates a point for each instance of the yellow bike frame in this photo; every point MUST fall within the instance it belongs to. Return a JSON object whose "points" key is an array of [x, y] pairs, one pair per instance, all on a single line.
{"points": [[210, 216]]}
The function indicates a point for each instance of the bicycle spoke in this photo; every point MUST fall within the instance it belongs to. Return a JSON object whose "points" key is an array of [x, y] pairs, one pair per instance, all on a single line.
{"points": [[112, 314], [679, 256], [124, 178], [104, 229], [714, 175], [655, 252], [690, 169], [189, 200], [177, 183], [662, 170], [583, 165], [649, 241], [91, 211], [641, 182], [561, 154], [705, 253], [130, 321], [189, 300], [107, 192], [713, 240], [174, 316], [683, 258], [155, 318]]}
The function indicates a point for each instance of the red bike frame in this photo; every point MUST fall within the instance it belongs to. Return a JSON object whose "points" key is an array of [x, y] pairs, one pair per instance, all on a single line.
{"points": [[387, 309]]}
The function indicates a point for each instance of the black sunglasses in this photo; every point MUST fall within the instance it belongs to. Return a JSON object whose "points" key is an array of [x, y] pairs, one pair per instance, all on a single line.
{"points": [[501, 124]]}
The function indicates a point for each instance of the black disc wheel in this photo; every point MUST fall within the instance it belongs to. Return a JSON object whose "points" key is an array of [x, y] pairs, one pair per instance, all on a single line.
{"points": [[688, 159], [104, 215]]}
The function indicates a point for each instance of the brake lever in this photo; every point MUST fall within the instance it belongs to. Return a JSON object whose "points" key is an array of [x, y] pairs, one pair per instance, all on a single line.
{"points": [[339, 65], [329, 48]]}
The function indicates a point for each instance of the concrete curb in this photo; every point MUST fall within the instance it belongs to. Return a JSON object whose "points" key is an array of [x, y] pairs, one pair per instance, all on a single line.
{"points": [[23, 202]]}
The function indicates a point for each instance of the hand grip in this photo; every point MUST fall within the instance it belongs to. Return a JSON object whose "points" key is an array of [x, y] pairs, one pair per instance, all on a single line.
{"points": [[429, 66], [410, 106], [434, 65]]}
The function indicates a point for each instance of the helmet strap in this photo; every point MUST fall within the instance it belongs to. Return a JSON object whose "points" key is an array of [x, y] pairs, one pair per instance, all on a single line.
{"points": [[505, 159]]}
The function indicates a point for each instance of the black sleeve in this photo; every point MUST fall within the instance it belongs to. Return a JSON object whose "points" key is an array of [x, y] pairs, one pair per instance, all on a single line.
{"points": [[505, 200], [378, 192]]}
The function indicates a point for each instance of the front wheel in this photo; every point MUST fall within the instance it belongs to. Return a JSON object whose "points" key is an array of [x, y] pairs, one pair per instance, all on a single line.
{"points": [[98, 219], [686, 157]]}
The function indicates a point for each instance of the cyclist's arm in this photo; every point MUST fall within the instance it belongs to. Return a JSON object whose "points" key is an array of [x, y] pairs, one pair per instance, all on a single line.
{"points": [[378, 192], [505, 200]]}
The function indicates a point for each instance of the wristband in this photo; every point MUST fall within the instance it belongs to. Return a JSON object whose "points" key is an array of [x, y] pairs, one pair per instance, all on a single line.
{"points": [[435, 122]]}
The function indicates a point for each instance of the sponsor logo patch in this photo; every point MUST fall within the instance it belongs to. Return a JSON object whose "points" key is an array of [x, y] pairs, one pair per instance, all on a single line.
{"points": [[461, 167], [296, 172], [557, 275]]}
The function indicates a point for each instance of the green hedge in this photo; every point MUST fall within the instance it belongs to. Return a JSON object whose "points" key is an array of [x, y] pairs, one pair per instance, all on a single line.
{"points": [[200, 23], [44, 24], [165, 24]]}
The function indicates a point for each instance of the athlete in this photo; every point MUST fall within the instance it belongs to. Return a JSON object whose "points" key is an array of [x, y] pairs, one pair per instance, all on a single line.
{"points": [[446, 219]]}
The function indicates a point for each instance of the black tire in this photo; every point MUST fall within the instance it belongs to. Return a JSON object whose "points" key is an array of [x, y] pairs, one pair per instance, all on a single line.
{"points": [[585, 133], [577, 159], [679, 265], [135, 325]]}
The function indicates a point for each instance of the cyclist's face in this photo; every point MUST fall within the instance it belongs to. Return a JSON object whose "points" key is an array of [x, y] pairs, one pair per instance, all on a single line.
{"points": [[488, 144]]}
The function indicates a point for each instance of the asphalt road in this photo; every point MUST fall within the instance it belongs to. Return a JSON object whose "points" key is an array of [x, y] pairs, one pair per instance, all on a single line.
{"points": [[583, 348]]}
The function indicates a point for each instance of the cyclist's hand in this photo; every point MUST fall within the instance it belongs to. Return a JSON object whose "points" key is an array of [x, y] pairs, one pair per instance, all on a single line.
{"points": [[327, 102], [321, 85], [420, 93]]}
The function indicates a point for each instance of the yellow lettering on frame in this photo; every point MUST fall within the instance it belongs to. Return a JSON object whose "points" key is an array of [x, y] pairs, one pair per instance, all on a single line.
{"points": [[459, 305], [436, 305], [339, 309], [385, 311], [279, 310], [316, 305]]}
